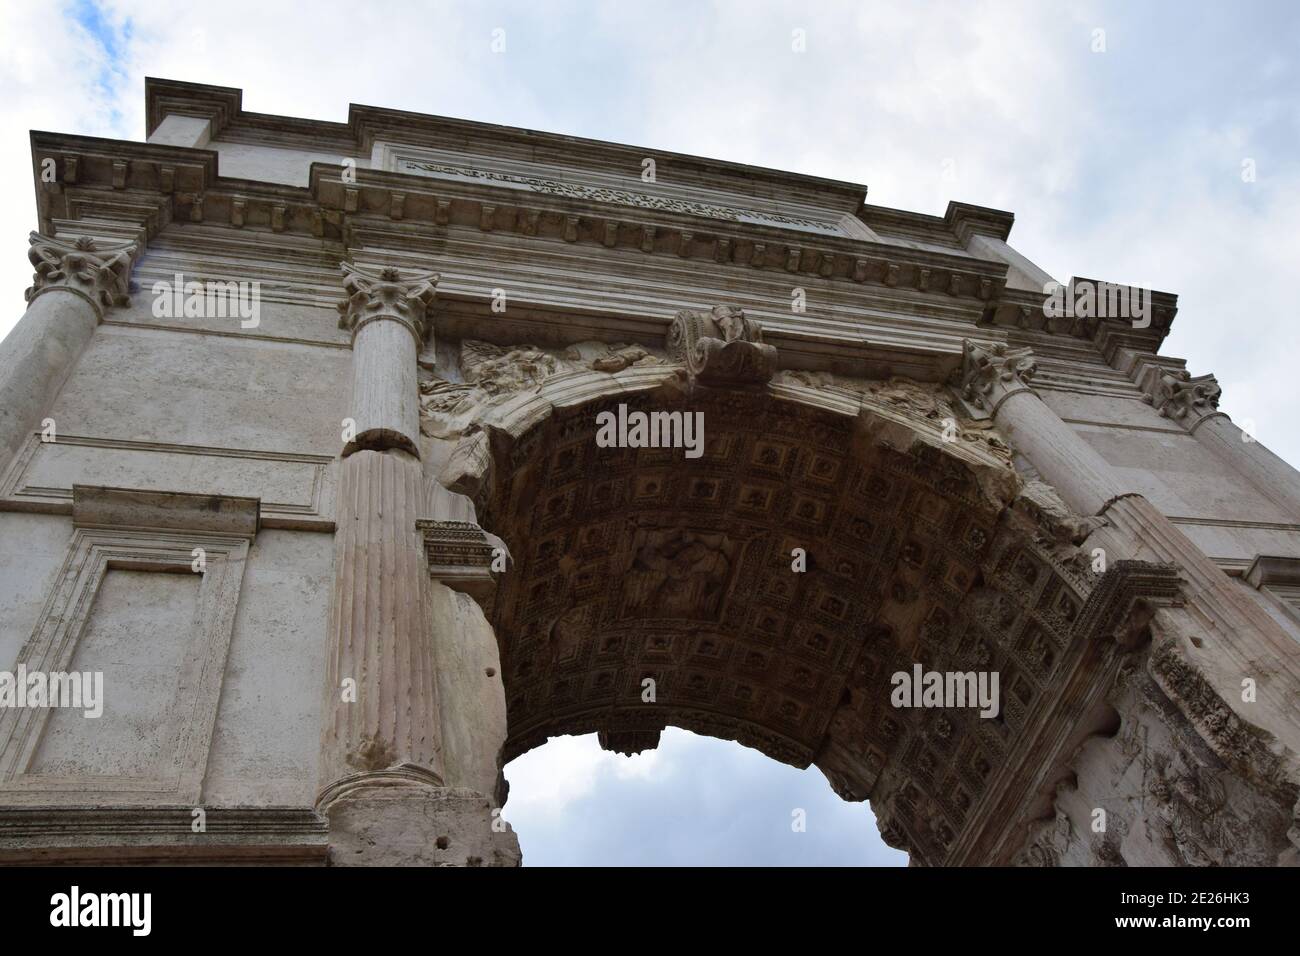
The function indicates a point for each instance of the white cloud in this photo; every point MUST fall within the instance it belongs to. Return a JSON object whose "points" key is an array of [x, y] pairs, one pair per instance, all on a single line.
{"points": [[1121, 166], [547, 781]]}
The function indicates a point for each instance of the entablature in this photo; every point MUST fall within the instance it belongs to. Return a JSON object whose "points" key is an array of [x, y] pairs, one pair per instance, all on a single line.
{"points": [[748, 221]]}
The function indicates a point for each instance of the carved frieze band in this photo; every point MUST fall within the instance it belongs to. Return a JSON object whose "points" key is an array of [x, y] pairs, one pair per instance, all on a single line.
{"points": [[620, 197]]}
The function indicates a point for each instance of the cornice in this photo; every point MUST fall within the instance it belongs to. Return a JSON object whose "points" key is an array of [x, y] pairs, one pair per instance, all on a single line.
{"points": [[220, 104], [370, 124], [1026, 311], [966, 220], [144, 187], [408, 198], [959, 222]]}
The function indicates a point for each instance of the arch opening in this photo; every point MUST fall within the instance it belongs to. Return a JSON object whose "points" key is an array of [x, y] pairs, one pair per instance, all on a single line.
{"points": [[647, 590]]}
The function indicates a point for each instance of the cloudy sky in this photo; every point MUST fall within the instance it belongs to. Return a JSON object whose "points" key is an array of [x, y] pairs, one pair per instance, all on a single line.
{"points": [[1118, 133]]}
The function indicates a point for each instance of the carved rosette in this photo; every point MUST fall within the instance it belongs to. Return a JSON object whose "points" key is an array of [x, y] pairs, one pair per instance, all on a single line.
{"points": [[1179, 396], [387, 294], [721, 347], [990, 374], [100, 271]]}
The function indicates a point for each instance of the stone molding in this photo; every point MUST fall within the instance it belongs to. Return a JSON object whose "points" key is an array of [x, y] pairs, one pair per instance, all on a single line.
{"points": [[140, 835], [399, 776], [192, 713], [460, 555], [141, 462], [1278, 577], [97, 506], [1112, 611]]}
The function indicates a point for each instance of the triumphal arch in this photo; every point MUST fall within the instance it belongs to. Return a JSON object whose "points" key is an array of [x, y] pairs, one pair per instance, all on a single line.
{"points": [[356, 459]]}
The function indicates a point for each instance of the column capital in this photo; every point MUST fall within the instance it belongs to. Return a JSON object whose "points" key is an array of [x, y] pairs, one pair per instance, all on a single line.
{"points": [[387, 294], [97, 270], [1175, 394], [992, 373]]}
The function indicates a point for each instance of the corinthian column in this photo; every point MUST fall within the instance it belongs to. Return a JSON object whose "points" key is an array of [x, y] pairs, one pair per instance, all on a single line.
{"points": [[1194, 403], [382, 768], [995, 384], [381, 718], [75, 282]]}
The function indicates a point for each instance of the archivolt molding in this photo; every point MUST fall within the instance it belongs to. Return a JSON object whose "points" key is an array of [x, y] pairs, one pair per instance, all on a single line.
{"points": [[510, 389]]}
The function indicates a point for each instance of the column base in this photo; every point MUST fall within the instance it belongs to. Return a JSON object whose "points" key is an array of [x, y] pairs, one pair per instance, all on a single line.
{"points": [[380, 821]]}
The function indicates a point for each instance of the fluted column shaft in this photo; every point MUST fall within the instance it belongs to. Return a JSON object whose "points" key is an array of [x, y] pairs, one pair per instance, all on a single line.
{"points": [[378, 627], [75, 282], [381, 721]]}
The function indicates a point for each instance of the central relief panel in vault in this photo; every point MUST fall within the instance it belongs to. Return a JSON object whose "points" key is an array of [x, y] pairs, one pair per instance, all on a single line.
{"points": [[677, 573]]}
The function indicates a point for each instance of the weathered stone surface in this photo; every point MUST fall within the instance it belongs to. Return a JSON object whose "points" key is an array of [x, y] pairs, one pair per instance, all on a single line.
{"points": [[418, 826], [415, 559]]}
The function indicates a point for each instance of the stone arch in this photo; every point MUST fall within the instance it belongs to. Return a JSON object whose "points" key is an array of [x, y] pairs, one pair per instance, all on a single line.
{"points": [[925, 547]]}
